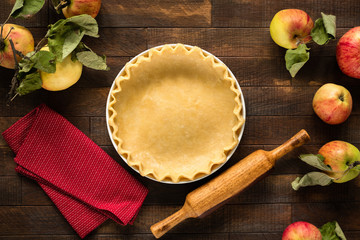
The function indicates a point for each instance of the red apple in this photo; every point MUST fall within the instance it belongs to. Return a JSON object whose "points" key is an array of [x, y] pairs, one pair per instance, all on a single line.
{"points": [[78, 7], [332, 103], [290, 27], [348, 53], [301, 231], [23, 42], [340, 155]]}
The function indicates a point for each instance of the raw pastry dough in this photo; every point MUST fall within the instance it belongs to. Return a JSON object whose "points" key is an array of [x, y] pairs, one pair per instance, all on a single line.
{"points": [[175, 113]]}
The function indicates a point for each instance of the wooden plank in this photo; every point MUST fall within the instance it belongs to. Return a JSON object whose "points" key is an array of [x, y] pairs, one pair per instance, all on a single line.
{"points": [[258, 218], [80, 122], [5, 123], [38, 20], [261, 129], [320, 213], [259, 101], [40, 237], [169, 236], [255, 236], [73, 102], [99, 131], [119, 42], [91, 78], [33, 195], [32, 220], [242, 13], [351, 235], [277, 189], [231, 42], [271, 189], [318, 71], [10, 188], [7, 164], [262, 101], [148, 215], [166, 13], [246, 71], [286, 101]]}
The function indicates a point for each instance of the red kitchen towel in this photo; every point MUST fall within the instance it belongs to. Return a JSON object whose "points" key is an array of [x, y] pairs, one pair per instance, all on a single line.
{"points": [[85, 183]]}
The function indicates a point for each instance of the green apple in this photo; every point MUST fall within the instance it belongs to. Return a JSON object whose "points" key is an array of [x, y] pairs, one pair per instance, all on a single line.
{"points": [[67, 73], [78, 7], [291, 27], [341, 157], [301, 231], [23, 42], [332, 103]]}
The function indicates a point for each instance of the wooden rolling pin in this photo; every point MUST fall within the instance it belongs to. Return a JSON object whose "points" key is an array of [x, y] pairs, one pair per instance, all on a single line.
{"points": [[213, 194]]}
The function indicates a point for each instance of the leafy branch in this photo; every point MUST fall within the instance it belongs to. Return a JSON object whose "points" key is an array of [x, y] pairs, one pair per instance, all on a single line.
{"points": [[63, 39], [319, 178], [324, 30]]}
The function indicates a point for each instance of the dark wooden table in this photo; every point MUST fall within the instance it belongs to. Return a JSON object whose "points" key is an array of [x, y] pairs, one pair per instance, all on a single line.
{"points": [[277, 105]]}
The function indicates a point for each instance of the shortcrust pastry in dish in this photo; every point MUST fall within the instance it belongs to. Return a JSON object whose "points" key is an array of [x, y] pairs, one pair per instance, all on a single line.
{"points": [[175, 113]]}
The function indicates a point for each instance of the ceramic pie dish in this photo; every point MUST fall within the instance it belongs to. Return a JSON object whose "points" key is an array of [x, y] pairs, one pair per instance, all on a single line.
{"points": [[175, 113]]}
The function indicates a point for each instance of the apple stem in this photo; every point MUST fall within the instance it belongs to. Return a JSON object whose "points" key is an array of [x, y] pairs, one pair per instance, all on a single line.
{"points": [[12, 28], [5, 23], [40, 44], [62, 4], [14, 52], [300, 40], [14, 80]]}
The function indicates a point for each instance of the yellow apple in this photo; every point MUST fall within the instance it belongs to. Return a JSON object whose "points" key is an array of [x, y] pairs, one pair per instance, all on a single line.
{"points": [[291, 27], [67, 73], [23, 42]]}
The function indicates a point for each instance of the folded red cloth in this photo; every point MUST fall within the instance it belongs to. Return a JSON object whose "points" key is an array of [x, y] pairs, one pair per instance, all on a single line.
{"points": [[85, 183]]}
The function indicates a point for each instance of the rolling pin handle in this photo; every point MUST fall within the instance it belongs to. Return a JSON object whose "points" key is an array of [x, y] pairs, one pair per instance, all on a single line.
{"points": [[168, 223], [297, 140]]}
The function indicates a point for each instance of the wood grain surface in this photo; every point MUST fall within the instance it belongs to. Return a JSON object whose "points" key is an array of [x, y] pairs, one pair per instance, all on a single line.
{"points": [[277, 107]]}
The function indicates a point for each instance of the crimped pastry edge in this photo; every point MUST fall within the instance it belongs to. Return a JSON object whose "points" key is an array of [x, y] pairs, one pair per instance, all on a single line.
{"points": [[125, 75]]}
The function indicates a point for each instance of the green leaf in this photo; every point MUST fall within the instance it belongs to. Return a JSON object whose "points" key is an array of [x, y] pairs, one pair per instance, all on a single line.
{"points": [[87, 23], [318, 33], [296, 58], [324, 29], [311, 179], [26, 64], [45, 61], [92, 60], [26, 8], [71, 42], [315, 161], [332, 231], [66, 34], [17, 6], [29, 83], [42, 60], [357, 167], [330, 24]]}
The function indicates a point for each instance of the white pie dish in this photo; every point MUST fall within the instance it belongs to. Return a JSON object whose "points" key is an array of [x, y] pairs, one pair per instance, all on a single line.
{"points": [[243, 114]]}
